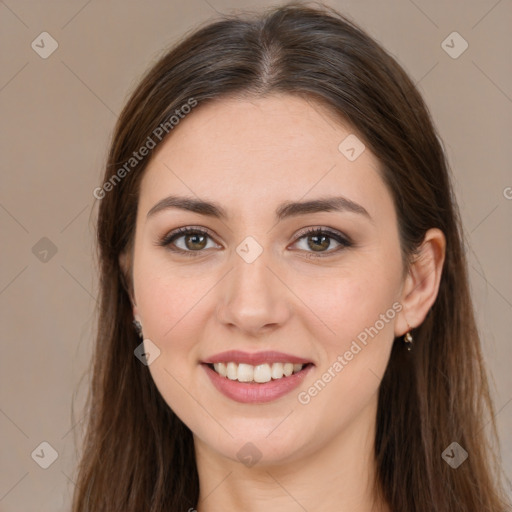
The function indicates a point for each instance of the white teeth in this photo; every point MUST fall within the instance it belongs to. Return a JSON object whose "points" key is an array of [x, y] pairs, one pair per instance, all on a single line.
{"points": [[288, 369], [245, 372], [261, 373], [277, 370], [220, 368], [232, 371]]}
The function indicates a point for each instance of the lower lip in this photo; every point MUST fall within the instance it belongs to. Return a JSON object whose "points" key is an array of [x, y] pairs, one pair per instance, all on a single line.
{"points": [[253, 392]]}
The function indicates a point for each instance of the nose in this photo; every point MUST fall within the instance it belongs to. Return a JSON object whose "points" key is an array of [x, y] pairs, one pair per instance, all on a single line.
{"points": [[253, 298]]}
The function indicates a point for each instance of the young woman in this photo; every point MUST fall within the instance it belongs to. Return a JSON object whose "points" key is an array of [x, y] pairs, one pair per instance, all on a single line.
{"points": [[277, 221]]}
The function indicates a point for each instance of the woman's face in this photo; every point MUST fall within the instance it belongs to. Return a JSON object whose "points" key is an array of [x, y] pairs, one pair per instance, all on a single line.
{"points": [[257, 292]]}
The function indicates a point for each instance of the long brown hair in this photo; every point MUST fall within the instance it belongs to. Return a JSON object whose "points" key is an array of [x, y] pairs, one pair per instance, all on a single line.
{"points": [[137, 454]]}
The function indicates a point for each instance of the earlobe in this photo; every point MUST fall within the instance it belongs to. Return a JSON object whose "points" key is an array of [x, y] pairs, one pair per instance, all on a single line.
{"points": [[422, 282]]}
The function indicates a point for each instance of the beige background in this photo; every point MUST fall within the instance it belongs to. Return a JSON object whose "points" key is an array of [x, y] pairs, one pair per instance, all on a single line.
{"points": [[57, 116]]}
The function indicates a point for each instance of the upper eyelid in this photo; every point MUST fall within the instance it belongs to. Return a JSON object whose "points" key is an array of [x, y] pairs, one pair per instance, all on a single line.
{"points": [[311, 229]]}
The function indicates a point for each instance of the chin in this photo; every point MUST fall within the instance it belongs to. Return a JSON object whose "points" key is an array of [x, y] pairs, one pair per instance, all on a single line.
{"points": [[258, 442]]}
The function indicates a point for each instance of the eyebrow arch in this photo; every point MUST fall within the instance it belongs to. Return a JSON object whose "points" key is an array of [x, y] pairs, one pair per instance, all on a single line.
{"points": [[285, 210]]}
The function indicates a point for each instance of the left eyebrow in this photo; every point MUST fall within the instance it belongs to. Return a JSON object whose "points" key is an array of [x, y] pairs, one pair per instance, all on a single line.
{"points": [[326, 204], [285, 210]]}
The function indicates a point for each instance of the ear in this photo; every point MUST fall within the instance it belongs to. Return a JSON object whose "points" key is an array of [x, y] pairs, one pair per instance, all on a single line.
{"points": [[126, 266], [422, 282]]}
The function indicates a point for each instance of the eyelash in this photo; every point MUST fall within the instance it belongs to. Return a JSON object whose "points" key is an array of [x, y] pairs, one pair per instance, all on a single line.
{"points": [[167, 240]]}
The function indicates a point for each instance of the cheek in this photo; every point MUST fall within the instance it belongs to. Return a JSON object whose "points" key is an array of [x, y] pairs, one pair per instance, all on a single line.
{"points": [[166, 300], [356, 334], [347, 307], [168, 306]]}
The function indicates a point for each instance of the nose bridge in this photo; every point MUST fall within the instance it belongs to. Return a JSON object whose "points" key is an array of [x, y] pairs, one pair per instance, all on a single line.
{"points": [[253, 297]]}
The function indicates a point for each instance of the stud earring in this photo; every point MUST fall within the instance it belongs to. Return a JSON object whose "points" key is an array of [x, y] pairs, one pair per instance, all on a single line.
{"points": [[138, 328]]}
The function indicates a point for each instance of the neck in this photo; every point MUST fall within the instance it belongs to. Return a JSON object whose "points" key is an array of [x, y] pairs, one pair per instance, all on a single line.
{"points": [[336, 476]]}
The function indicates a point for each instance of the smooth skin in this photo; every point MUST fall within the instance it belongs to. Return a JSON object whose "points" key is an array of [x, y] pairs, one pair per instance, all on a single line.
{"points": [[250, 155]]}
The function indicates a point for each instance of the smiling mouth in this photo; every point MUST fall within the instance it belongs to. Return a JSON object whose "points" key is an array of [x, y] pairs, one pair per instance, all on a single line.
{"points": [[260, 373]]}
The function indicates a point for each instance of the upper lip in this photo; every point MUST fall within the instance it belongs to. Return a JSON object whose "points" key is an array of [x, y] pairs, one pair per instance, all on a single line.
{"points": [[255, 358]]}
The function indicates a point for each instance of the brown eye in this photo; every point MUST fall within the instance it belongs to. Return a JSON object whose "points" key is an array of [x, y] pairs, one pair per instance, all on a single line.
{"points": [[197, 241], [319, 240], [194, 241]]}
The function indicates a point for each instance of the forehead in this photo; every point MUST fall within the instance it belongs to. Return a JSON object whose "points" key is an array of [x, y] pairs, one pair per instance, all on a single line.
{"points": [[247, 153]]}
